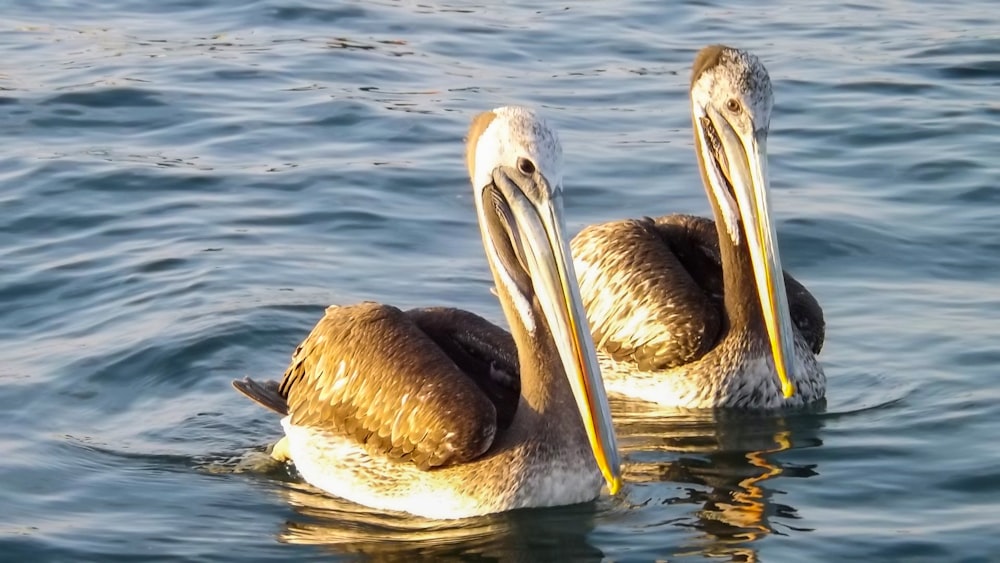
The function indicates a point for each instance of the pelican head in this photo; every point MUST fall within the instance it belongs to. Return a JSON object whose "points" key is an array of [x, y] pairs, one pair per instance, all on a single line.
{"points": [[515, 163], [731, 101]]}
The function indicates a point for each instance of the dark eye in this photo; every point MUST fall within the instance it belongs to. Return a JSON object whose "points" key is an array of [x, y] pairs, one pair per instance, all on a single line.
{"points": [[525, 166], [733, 106]]}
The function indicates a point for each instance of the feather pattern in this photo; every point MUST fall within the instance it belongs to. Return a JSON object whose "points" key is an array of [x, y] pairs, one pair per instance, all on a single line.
{"points": [[653, 290], [392, 381]]}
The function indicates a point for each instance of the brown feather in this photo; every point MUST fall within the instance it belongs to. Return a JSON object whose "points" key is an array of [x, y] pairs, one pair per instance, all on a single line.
{"points": [[483, 351], [264, 393], [643, 305], [370, 372], [695, 241], [707, 58], [653, 290]]}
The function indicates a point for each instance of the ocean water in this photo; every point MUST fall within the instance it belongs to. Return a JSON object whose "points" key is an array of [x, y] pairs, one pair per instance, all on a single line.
{"points": [[185, 185]]}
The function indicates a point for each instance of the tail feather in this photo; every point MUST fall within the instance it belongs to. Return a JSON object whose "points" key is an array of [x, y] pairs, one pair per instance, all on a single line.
{"points": [[263, 393]]}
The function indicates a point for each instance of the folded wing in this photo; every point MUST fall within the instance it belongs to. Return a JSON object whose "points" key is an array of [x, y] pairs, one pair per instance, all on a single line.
{"points": [[653, 290], [423, 386]]}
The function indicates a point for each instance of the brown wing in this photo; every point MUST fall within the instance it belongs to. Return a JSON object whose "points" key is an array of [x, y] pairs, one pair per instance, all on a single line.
{"points": [[642, 304], [654, 290], [369, 371], [807, 315], [695, 241], [481, 350]]}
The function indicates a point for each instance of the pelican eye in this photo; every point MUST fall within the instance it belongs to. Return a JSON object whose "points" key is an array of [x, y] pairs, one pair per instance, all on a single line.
{"points": [[526, 166], [733, 105]]}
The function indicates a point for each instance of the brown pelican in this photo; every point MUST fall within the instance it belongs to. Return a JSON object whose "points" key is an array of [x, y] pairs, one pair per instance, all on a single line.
{"points": [[688, 313], [435, 411]]}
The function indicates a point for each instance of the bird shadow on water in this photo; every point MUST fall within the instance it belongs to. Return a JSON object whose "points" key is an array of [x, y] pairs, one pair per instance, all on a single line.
{"points": [[344, 528], [718, 471]]}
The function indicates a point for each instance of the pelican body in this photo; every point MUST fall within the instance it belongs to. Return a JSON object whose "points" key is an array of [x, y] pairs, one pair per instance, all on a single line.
{"points": [[437, 412], [691, 313]]}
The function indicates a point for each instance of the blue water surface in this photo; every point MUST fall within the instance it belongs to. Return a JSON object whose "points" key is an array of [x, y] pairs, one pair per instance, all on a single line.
{"points": [[185, 185]]}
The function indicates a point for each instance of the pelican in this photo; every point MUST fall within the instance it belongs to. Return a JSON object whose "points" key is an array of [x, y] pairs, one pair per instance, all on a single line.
{"points": [[687, 313], [438, 413]]}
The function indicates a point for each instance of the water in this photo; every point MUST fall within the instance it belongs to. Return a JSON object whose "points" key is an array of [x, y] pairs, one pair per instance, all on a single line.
{"points": [[186, 185]]}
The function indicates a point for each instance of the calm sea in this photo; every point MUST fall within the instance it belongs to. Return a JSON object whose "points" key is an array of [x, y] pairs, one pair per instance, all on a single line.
{"points": [[185, 185]]}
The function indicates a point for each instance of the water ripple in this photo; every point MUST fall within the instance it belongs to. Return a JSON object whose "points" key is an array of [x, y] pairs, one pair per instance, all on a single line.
{"points": [[186, 185]]}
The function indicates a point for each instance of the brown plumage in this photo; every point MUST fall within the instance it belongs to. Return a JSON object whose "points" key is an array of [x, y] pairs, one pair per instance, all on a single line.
{"points": [[434, 411], [386, 377], [696, 313], [654, 291]]}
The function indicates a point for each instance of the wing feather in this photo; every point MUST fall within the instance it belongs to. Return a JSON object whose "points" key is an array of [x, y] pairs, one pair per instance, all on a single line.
{"points": [[483, 351], [653, 290], [700, 239], [642, 304], [370, 372]]}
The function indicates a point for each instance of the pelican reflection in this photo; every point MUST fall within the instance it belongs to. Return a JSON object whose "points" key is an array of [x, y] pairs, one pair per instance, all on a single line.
{"points": [[723, 464], [345, 528]]}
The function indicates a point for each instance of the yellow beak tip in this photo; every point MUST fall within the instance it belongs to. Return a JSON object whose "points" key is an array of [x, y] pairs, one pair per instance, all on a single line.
{"points": [[614, 485], [788, 390]]}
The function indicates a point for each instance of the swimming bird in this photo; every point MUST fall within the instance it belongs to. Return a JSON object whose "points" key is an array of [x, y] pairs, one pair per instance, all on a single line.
{"points": [[691, 313], [439, 413]]}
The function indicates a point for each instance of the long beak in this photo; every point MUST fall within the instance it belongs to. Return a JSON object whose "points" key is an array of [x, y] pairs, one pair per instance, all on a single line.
{"points": [[543, 249], [747, 168]]}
